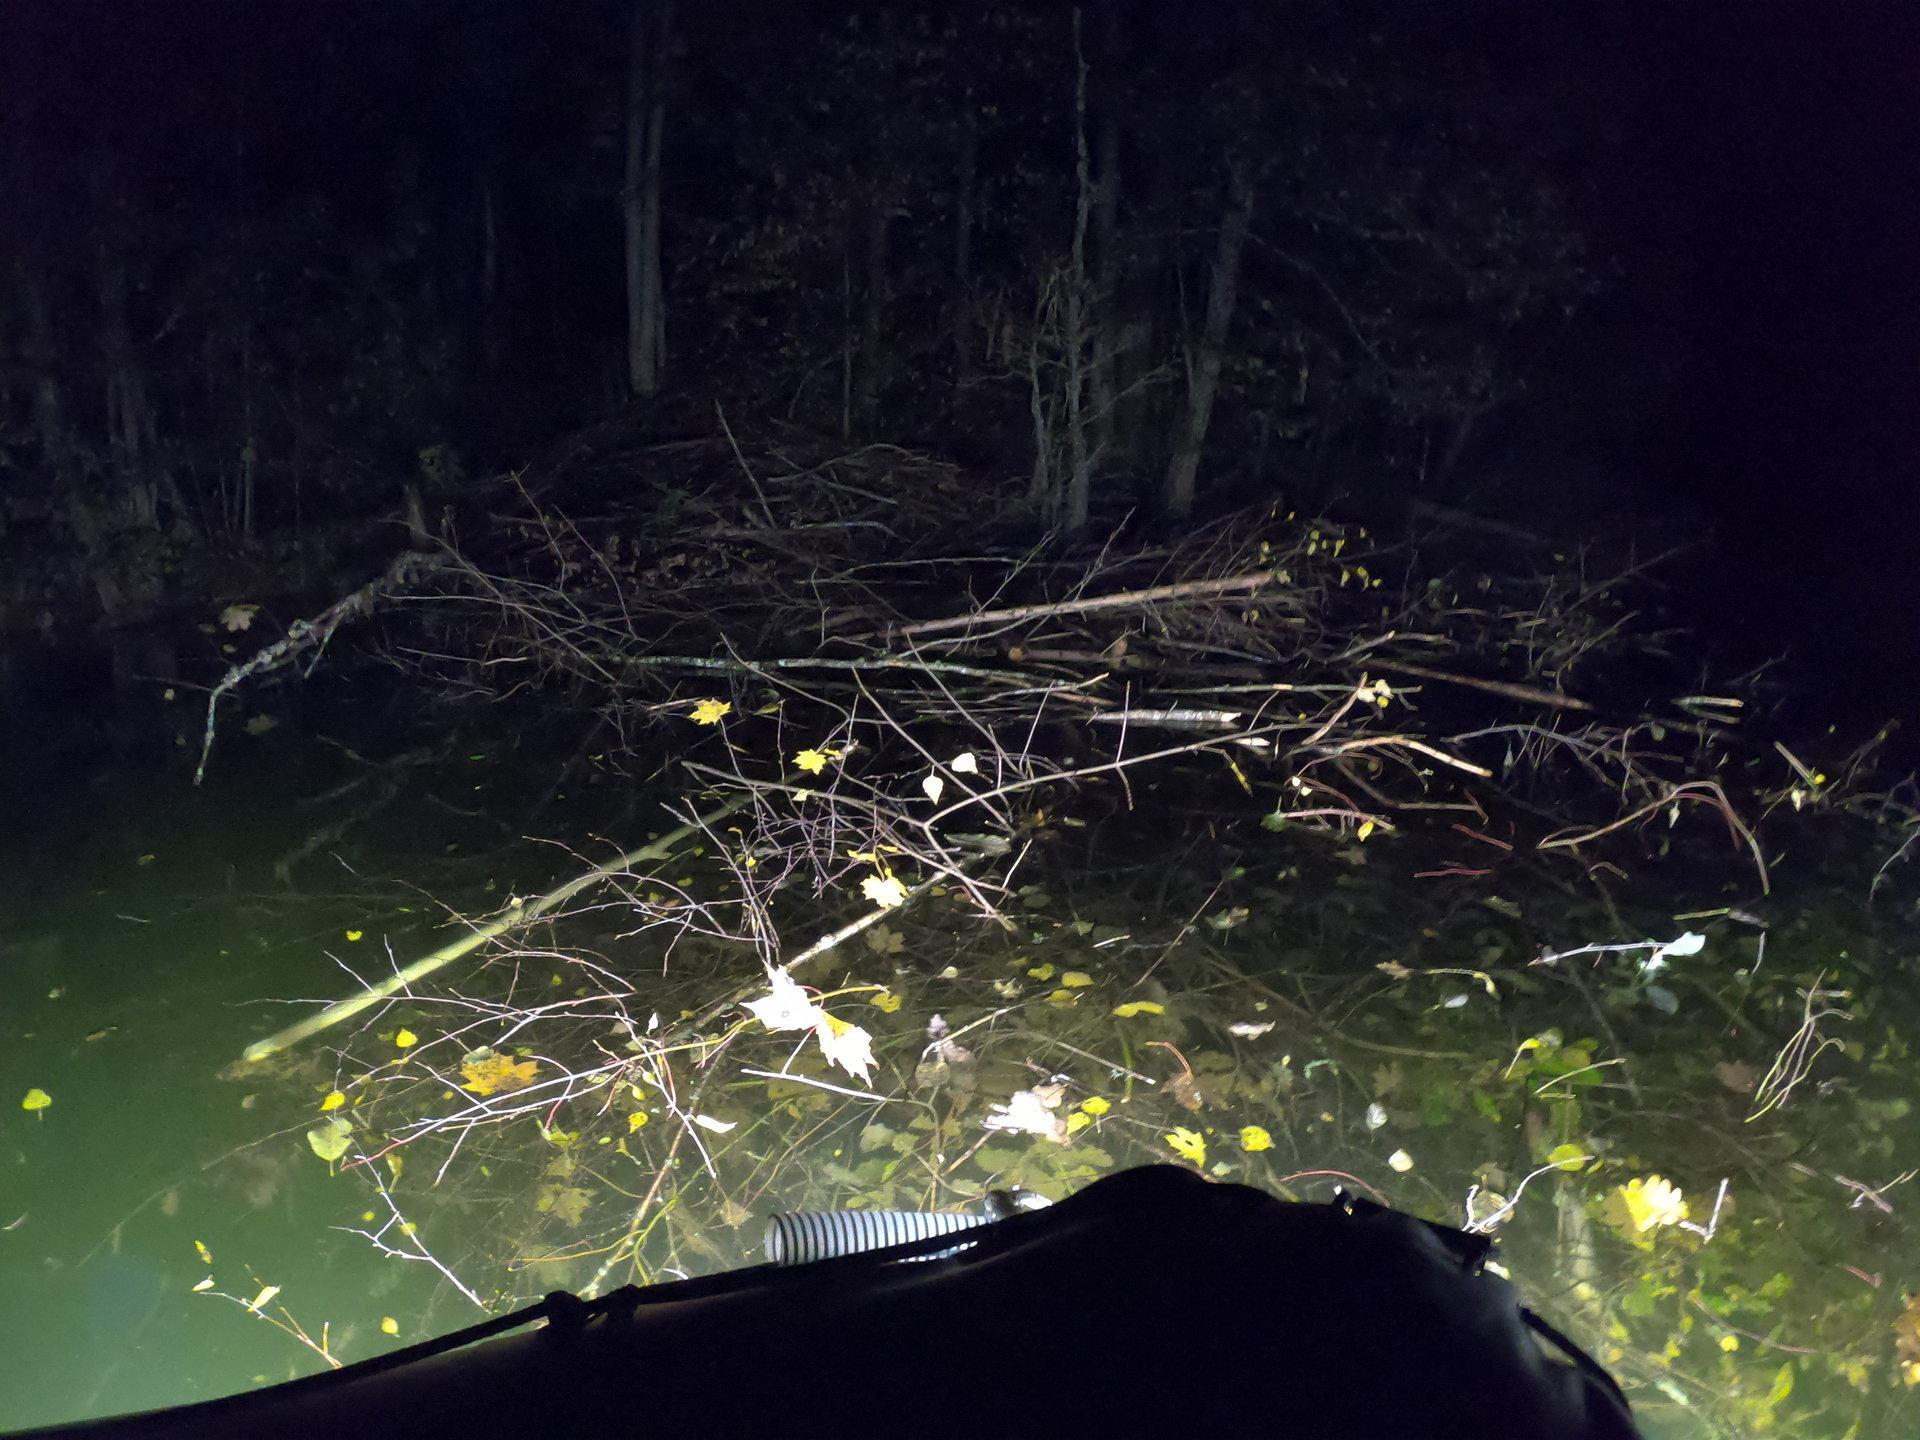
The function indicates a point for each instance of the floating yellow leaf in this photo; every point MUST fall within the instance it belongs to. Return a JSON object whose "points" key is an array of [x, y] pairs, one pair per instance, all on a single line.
{"points": [[498, 1074], [355, 934], [335, 1099], [1366, 829], [1063, 998], [812, 761], [389, 1325], [1646, 1204], [637, 1121], [711, 712], [1096, 1105], [238, 617], [36, 1099], [147, 859], [332, 1139], [1729, 1343], [884, 891], [206, 1284], [1076, 979], [406, 1040], [267, 1292], [886, 1001], [1139, 1007], [1040, 972], [1254, 1139], [1188, 1144], [200, 1249], [1400, 1162]]}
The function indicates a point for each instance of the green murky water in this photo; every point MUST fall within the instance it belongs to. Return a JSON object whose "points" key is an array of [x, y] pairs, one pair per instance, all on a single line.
{"points": [[151, 930]]}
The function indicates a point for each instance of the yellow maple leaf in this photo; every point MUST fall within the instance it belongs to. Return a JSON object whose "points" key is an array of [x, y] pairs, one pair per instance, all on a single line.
{"points": [[1254, 1138], [406, 1040], [498, 1074], [812, 761], [884, 891], [1647, 1204], [335, 1099], [711, 712], [1188, 1144]]}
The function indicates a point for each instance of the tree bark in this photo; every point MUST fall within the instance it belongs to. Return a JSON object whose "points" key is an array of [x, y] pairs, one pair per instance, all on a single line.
{"points": [[1106, 236], [1106, 284], [1080, 463], [1204, 368], [965, 180], [873, 308], [640, 195]]}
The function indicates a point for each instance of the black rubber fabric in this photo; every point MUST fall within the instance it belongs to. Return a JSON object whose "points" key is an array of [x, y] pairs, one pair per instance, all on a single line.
{"points": [[1151, 1303]]}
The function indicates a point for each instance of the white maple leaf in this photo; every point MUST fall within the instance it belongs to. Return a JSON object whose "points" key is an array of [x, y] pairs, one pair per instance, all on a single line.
{"points": [[787, 1007], [1029, 1113], [847, 1046]]}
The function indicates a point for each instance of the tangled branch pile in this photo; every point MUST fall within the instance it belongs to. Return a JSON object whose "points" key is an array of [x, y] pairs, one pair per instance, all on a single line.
{"points": [[1005, 866]]}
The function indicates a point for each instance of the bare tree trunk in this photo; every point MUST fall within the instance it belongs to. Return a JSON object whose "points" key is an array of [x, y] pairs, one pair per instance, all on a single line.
{"points": [[1042, 491], [49, 407], [846, 328], [640, 194], [491, 346], [965, 180], [1106, 238], [873, 309], [1080, 473], [1204, 367], [129, 418], [1106, 286]]}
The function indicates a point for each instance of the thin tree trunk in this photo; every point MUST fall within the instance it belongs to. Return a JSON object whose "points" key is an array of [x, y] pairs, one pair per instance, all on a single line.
{"points": [[1106, 238], [1106, 285], [873, 311], [963, 201], [1080, 473], [129, 420], [49, 408], [1204, 367], [640, 194], [490, 325]]}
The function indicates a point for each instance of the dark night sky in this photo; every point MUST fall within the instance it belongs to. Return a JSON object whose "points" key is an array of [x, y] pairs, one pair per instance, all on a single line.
{"points": [[1751, 167]]}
